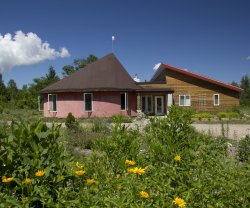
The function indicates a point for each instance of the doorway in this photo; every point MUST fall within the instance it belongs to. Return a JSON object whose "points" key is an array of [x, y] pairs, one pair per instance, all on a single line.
{"points": [[159, 105]]}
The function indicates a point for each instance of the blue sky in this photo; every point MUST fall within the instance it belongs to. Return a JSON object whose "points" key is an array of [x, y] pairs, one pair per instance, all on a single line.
{"points": [[211, 38]]}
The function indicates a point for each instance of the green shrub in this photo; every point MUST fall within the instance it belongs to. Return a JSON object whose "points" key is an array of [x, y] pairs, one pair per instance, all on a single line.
{"points": [[1, 109], [228, 115], [244, 149], [202, 115], [70, 121], [221, 115], [233, 115]]}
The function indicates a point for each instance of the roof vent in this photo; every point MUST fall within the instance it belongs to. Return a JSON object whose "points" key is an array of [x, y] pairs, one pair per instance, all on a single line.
{"points": [[136, 78]]}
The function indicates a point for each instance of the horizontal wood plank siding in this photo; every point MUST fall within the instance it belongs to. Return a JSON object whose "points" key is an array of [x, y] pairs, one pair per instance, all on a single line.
{"points": [[201, 92]]}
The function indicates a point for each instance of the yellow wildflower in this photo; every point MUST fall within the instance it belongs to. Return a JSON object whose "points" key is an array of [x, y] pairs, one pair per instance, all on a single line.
{"points": [[80, 172], [139, 171], [177, 158], [144, 194], [179, 201], [118, 176], [90, 181], [40, 173], [27, 180], [118, 187], [136, 170], [130, 162], [7, 180]]}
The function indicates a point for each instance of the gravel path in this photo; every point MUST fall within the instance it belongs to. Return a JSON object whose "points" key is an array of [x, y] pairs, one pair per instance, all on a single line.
{"points": [[231, 131]]}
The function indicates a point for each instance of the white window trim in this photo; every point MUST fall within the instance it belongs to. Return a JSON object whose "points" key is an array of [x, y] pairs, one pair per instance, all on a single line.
{"points": [[91, 102], [184, 100], [126, 101], [217, 104], [52, 103]]}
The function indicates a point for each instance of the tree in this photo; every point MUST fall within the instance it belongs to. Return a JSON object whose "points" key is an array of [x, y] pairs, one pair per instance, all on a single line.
{"points": [[11, 89], [2, 90], [67, 70], [235, 84], [40, 83], [245, 95], [52, 76], [2, 85], [78, 64]]}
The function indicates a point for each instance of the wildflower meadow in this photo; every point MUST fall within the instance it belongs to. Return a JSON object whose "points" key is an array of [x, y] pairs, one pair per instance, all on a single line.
{"points": [[167, 165]]}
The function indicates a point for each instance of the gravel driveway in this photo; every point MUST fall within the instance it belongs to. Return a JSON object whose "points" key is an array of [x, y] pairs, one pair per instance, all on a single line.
{"points": [[231, 131]]}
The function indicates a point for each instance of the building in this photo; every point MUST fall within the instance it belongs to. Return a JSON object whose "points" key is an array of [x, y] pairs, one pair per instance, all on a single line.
{"points": [[104, 88]]}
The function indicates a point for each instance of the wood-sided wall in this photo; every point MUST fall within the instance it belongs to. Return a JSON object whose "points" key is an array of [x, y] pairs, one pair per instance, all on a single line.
{"points": [[201, 92]]}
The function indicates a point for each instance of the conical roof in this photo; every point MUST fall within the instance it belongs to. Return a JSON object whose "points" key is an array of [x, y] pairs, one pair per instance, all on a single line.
{"points": [[106, 74]]}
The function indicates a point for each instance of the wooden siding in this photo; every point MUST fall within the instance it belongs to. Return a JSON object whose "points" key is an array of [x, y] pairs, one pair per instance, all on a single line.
{"points": [[201, 92]]}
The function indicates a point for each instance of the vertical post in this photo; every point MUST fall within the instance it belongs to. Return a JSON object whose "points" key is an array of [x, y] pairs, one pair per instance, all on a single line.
{"points": [[169, 99], [138, 103]]}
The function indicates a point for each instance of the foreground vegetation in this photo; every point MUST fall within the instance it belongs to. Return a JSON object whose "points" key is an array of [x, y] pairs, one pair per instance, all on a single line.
{"points": [[169, 165]]}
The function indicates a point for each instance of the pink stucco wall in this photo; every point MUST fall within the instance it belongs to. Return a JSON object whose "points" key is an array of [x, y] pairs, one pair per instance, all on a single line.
{"points": [[105, 104]]}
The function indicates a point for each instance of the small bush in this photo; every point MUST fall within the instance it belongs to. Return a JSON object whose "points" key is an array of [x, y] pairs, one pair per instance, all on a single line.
{"points": [[228, 115], [202, 115], [244, 149], [233, 115], [70, 121], [221, 115]]}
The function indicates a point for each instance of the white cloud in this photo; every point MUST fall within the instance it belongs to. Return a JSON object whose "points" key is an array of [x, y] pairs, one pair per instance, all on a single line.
{"points": [[248, 58], [26, 49]]}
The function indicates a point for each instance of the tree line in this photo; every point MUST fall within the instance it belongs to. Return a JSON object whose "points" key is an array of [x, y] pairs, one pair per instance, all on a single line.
{"points": [[27, 97]]}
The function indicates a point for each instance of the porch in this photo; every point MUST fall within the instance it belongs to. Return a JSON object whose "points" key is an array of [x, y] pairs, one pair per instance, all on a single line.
{"points": [[154, 101]]}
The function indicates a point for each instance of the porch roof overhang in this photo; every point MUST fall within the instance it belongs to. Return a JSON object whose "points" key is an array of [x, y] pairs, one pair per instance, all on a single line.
{"points": [[155, 90]]}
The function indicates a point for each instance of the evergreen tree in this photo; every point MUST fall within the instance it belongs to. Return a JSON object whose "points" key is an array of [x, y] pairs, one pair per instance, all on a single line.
{"points": [[245, 85]]}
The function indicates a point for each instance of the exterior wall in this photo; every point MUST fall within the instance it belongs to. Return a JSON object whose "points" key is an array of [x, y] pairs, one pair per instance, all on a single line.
{"points": [[105, 104], [186, 85]]}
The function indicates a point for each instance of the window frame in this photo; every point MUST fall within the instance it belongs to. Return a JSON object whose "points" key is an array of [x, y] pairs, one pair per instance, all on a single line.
{"points": [[84, 102], [52, 95], [185, 98], [216, 104], [147, 97], [126, 101]]}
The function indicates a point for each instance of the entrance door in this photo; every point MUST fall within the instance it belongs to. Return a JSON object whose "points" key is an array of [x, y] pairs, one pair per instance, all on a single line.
{"points": [[159, 105]]}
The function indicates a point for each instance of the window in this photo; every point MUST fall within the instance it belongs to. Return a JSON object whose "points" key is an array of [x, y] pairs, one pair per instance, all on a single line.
{"points": [[147, 104], [88, 100], [52, 101], [124, 101], [216, 99], [184, 100]]}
